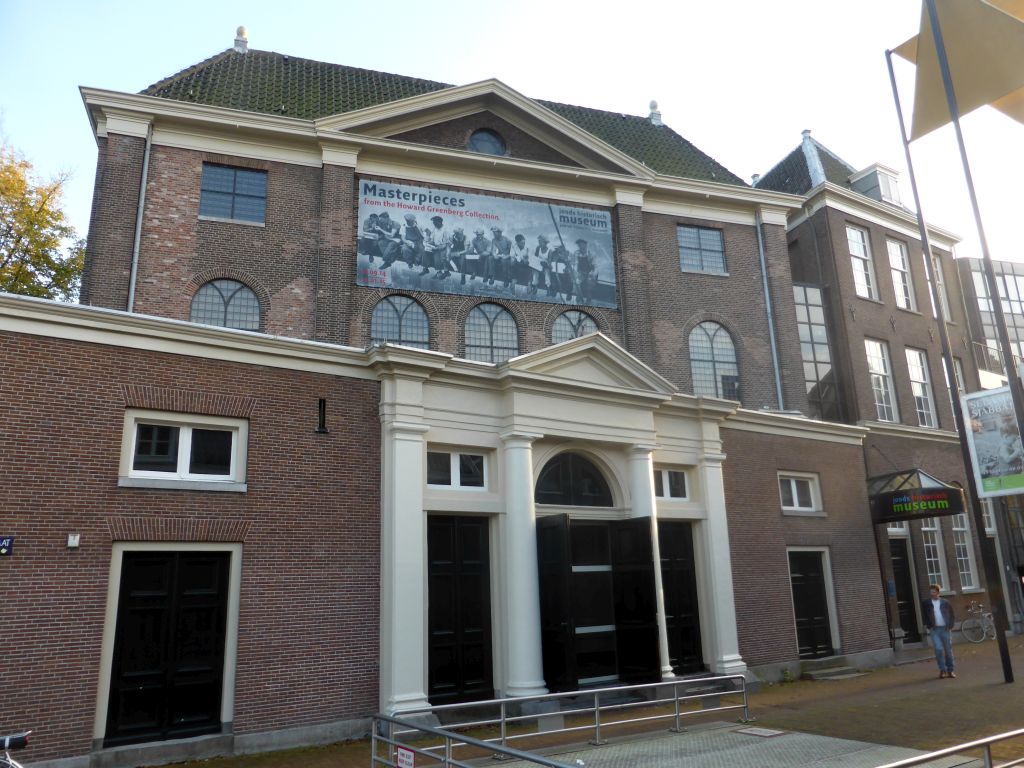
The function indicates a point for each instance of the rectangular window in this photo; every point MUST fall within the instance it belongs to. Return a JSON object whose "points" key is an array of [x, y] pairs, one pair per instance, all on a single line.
{"points": [[175, 450], [701, 249], [456, 470], [880, 369], [799, 493], [921, 387], [860, 259], [958, 374], [940, 284], [239, 194], [988, 515], [898, 528], [669, 484], [934, 557], [964, 552], [902, 282], [822, 396]]}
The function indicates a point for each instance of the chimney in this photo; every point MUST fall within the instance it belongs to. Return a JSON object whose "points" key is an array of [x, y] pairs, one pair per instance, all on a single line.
{"points": [[754, 179], [655, 116], [241, 40]]}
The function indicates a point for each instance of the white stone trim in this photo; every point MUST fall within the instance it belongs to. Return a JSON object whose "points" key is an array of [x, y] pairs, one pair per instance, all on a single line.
{"points": [[787, 425], [127, 124]]}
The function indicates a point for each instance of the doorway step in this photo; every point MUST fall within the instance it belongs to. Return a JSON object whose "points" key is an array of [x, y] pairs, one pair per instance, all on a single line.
{"points": [[832, 668]]}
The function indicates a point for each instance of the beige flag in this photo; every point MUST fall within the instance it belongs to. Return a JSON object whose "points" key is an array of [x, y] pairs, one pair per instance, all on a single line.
{"points": [[984, 41]]}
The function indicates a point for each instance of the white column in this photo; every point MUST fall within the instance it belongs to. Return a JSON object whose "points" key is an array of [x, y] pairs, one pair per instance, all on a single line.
{"points": [[524, 666], [721, 608], [644, 504], [403, 576]]}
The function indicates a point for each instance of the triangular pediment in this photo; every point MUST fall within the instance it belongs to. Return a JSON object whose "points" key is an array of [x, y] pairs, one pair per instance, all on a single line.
{"points": [[402, 118], [593, 360]]}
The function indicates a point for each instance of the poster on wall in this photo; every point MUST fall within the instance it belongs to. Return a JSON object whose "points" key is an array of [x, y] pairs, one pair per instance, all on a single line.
{"points": [[994, 440], [430, 239]]}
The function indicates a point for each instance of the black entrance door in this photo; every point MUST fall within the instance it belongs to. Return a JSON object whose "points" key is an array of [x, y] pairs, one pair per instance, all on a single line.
{"points": [[168, 661], [459, 610], [598, 611], [810, 604], [903, 574], [679, 584]]}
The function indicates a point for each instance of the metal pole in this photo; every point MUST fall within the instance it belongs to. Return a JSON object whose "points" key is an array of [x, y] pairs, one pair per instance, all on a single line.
{"points": [[992, 575]]}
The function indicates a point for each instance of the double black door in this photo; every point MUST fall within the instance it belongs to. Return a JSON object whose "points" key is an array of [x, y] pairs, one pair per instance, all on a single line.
{"points": [[459, 610], [679, 586], [810, 604], [598, 607], [903, 575], [168, 662]]}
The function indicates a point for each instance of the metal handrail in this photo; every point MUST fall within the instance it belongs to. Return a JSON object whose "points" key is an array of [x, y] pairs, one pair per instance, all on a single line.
{"points": [[984, 744], [504, 719], [449, 742]]}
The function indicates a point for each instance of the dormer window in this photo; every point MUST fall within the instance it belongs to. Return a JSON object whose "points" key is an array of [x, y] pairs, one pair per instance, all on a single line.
{"points": [[879, 183], [487, 142], [889, 187]]}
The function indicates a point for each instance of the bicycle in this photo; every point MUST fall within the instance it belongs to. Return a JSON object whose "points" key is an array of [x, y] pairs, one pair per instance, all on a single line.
{"points": [[979, 625], [14, 741]]}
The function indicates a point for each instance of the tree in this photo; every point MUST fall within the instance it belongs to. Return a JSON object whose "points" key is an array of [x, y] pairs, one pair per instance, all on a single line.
{"points": [[40, 254]]}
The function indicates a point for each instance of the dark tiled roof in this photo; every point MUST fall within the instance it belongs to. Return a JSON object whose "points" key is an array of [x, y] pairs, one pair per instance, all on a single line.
{"points": [[272, 83], [792, 175]]}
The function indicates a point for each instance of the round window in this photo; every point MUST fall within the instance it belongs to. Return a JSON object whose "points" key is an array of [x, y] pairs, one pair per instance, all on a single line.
{"points": [[487, 142]]}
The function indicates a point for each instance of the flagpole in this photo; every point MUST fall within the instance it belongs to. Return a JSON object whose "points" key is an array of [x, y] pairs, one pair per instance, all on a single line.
{"points": [[992, 575]]}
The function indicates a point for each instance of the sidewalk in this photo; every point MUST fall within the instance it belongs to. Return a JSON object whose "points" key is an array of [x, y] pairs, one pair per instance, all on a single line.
{"points": [[902, 706]]}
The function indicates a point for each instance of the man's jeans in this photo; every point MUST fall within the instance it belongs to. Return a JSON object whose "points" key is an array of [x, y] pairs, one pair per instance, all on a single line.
{"points": [[942, 642]]}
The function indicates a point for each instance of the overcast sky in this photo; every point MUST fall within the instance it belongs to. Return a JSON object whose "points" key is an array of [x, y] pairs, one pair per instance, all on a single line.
{"points": [[739, 79]]}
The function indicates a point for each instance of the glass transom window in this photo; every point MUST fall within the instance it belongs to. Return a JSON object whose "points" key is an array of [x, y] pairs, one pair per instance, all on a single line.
{"points": [[400, 320], [228, 304], [713, 362], [571, 325], [233, 193], [669, 483], [701, 249], [492, 335], [456, 470]]}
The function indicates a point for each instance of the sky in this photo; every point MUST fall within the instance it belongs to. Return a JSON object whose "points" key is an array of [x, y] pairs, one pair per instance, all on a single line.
{"points": [[740, 79]]}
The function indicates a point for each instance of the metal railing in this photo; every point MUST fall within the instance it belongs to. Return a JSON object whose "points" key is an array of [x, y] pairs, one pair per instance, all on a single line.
{"points": [[985, 745], [512, 713]]}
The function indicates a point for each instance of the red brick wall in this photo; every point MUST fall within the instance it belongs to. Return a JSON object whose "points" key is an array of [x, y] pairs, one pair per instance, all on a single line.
{"points": [[759, 534], [309, 523]]}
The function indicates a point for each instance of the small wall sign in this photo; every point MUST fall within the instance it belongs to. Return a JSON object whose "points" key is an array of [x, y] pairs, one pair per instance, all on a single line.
{"points": [[406, 758], [6, 545]]}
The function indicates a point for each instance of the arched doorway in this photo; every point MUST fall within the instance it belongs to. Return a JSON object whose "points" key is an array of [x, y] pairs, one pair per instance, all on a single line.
{"points": [[597, 594]]}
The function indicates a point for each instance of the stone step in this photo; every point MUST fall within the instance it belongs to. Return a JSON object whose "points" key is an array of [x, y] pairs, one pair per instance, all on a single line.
{"points": [[831, 673]]}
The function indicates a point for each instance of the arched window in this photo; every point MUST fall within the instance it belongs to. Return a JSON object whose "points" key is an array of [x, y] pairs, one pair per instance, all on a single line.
{"points": [[713, 362], [227, 303], [400, 320], [571, 325], [491, 334], [487, 142], [572, 480]]}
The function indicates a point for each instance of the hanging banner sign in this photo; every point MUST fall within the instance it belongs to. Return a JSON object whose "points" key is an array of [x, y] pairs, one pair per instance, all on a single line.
{"points": [[438, 240], [997, 455]]}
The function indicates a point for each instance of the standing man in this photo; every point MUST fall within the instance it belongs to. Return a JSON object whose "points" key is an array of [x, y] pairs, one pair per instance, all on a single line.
{"points": [[939, 619], [412, 245], [501, 254], [479, 255], [584, 268], [435, 243]]}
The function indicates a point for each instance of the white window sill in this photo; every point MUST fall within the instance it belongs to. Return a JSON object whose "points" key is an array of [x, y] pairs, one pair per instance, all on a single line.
{"points": [[710, 272], [182, 485], [972, 591], [803, 512], [243, 222]]}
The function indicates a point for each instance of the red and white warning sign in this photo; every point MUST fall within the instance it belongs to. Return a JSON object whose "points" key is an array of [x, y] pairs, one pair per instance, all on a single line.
{"points": [[405, 758]]}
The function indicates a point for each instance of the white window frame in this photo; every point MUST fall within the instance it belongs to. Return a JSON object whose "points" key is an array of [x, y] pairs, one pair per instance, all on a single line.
{"points": [[455, 471], [898, 529], [988, 514], [861, 262], [940, 284], [921, 388], [234, 481], [931, 537], [663, 473], [963, 549], [816, 509], [902, 280], [882, 380]]}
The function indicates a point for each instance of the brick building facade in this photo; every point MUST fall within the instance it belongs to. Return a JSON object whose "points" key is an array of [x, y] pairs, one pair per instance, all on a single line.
{"points": [[331, 485]]}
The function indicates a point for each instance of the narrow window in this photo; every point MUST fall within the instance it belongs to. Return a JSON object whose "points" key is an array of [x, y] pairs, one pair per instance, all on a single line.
{"points": [[934, 557], [902, 282], [713, 362], [921, 388], [860, 258], [963, 550], [822, 395], [880, 370]]}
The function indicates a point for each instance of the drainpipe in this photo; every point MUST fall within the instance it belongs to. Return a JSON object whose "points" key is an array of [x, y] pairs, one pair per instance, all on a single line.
{"points": [[768, 310], [138, 220]]}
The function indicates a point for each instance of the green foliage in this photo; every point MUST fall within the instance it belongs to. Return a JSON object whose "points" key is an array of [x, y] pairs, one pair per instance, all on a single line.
{"points": [[40, 254]]}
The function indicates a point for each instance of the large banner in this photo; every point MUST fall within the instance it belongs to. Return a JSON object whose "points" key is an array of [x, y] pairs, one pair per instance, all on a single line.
{"points": [[425, 239], [995, 443]]}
